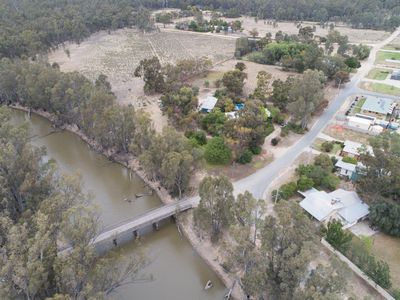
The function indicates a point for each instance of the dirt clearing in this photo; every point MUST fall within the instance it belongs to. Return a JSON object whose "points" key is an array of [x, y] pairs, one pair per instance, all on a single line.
{"points": [[117, 54]]}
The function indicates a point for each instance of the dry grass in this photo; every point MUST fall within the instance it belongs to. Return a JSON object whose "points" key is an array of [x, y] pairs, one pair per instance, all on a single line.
{"points": [[340, 133], [379, 74], [117, 54], [387, 248], [380, 88]]}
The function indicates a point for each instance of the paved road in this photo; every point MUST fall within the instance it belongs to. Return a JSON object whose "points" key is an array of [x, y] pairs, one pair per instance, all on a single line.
{"points": [[258, 182]]}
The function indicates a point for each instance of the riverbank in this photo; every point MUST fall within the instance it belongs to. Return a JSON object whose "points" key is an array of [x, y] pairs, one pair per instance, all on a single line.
{"points": [[205, 250]]}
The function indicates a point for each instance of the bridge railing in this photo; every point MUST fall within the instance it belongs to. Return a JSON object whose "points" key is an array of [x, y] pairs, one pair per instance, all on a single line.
{"points": [[183, 204]]}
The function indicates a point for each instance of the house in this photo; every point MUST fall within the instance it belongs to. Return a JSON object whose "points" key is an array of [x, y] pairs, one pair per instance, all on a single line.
{"points": [[349, 170], [208, 104], [352, 149], [378, 106], [341, 205], [395, 75]]}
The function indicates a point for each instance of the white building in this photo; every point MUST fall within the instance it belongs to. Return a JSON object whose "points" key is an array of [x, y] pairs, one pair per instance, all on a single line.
{"points": [[352, 149], [341, 205], [346, 169], [359, 123], [208, 104]]}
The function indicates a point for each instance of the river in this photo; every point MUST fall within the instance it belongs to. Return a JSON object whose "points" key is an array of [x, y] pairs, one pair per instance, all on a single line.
{"points": [[178, 272]]}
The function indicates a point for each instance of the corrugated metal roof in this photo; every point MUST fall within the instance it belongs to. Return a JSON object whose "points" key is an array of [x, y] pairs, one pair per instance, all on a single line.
{"points": [[347, 205], [378, 105]]}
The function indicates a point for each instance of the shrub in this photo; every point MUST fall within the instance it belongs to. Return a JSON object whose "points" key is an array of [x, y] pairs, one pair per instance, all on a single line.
{"points": [[255, 150], [206, 83], [337, 237], [327, 146], [285, 192], [275, 141], [240, 66], [295, 128], [350, 160], [245, 157], [352, 62], [270, 128], [200, 137], [216, 152], [304, 183]]}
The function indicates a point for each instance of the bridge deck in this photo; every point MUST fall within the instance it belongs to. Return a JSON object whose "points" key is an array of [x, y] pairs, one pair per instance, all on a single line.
{"points": [[146, 219]]}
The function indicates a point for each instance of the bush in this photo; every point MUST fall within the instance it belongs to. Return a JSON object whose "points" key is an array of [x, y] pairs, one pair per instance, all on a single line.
{"points": [[350, 160], [216, 152], [200, 137], [327, 146], [255, 150], [275, 141], [206, 83], [304, 183], [245, 157], [270, 128], [352, 62], [295, 128], [276, 115], [285, 192]]}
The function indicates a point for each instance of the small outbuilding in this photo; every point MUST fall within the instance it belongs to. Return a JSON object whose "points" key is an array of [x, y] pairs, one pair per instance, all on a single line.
{"points": [[208, 104], [395, 75], [359, 123]]}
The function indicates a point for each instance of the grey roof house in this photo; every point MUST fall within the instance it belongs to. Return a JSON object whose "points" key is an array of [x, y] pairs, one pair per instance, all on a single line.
{"points": [[341, 205], [379, 106]]}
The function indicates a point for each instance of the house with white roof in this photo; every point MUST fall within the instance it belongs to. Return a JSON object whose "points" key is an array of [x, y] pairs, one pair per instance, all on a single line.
{"points": [[346, 169], [341, 205], [208, 104], [353, 149]]}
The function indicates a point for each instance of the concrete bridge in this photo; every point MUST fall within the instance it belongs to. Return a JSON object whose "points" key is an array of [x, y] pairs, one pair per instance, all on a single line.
{"points": [[128, 230]]}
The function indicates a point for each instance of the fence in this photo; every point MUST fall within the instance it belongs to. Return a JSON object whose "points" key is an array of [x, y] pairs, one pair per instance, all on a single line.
{"points": [[357, 271]]}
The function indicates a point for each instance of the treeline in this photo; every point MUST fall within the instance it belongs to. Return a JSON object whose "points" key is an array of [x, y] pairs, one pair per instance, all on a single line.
{"points": [[305, 51], [29, 27], [71, 99], [40, 211], [374, 14]]}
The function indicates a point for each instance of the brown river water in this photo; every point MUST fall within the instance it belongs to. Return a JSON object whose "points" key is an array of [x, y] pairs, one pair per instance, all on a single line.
{"points": [[178, 272]]}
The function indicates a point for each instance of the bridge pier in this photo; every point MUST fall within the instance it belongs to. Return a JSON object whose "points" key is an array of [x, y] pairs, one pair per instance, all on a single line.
{"points": [[156, 226], [173, 219], [135, 234]]}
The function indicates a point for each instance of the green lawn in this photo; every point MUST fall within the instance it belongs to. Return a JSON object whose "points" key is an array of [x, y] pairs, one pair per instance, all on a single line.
{"points": [[357, 107], [380, 88], [382, 56], [318, 142], [379, 74]]}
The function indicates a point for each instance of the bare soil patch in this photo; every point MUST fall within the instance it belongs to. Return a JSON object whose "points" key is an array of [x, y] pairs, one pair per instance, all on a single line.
{"points": [[116, 55]]}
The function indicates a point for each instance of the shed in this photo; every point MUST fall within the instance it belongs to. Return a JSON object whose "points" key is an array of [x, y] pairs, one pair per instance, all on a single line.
{"points": [[360, 123], [208, 104], [395, 75]]}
